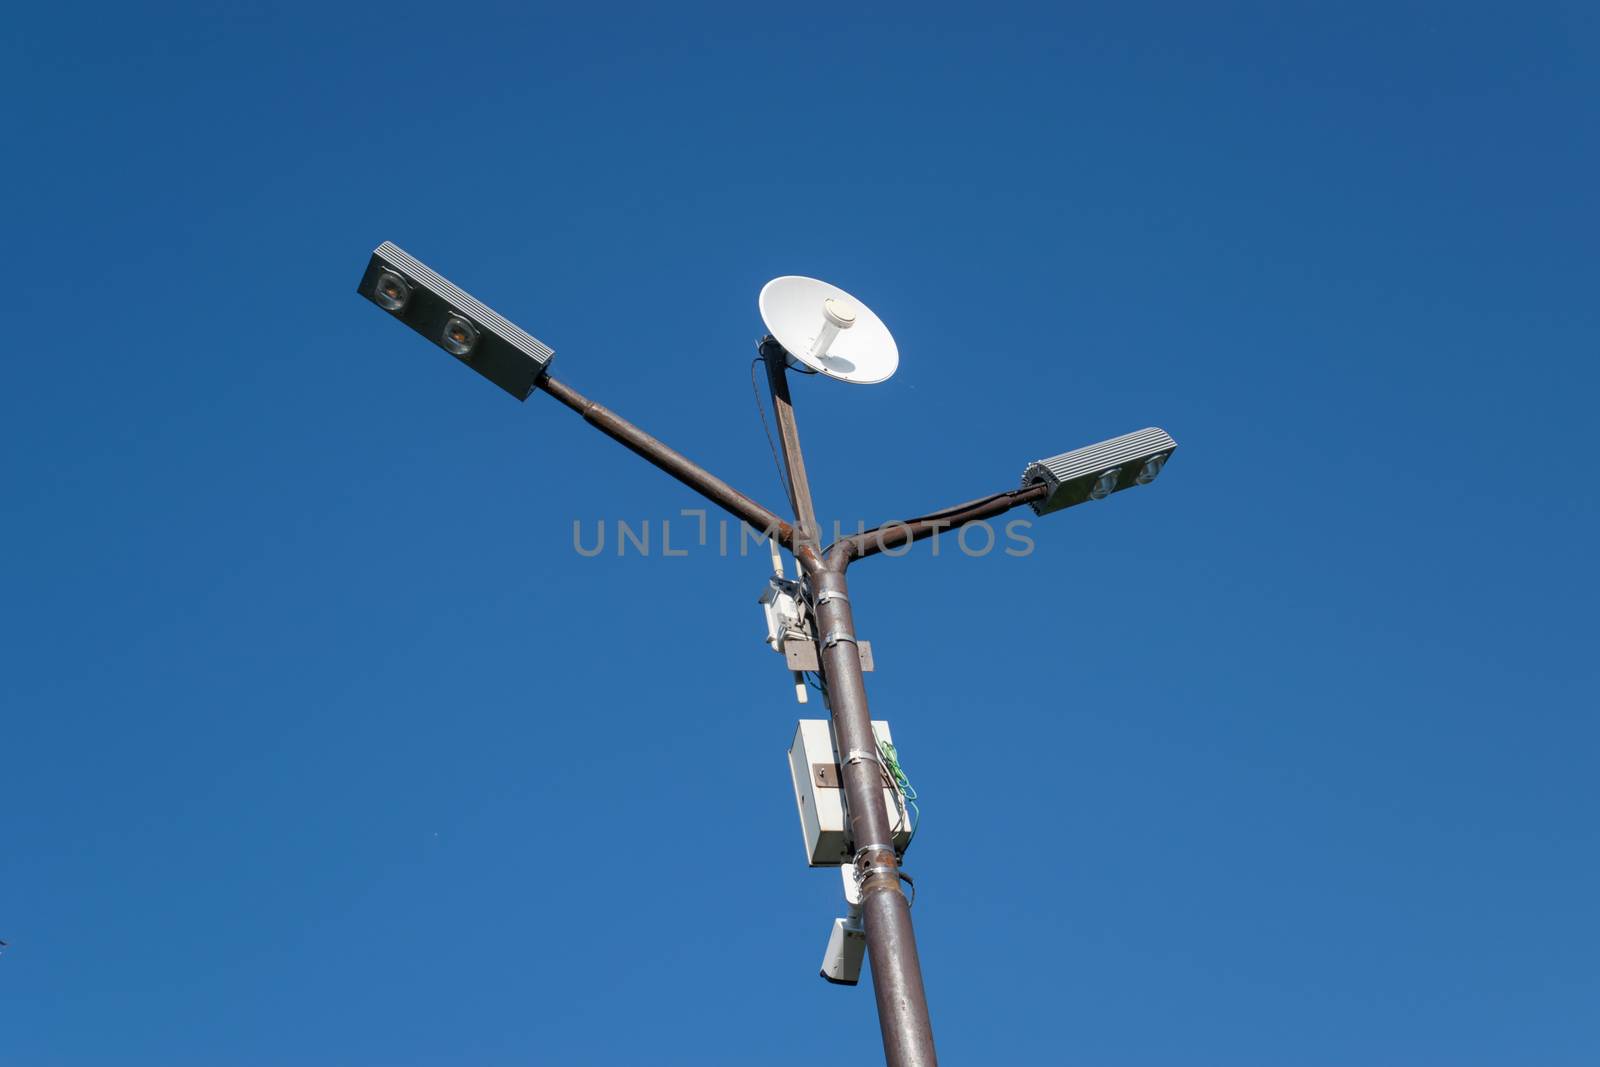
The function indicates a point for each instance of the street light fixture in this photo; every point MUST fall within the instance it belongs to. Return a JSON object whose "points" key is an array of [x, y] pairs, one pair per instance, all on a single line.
{"points": [[1096, 471], [453, 320], [829, 332]]}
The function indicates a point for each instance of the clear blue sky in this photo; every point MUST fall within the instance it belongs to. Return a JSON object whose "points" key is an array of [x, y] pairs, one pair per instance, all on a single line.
{"points": [[322, 746]]}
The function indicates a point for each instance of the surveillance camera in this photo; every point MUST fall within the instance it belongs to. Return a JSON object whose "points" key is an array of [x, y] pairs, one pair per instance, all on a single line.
{"points": [[841, 965]]}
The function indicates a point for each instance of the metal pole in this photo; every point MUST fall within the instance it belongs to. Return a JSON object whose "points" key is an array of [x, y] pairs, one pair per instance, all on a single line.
{"points": [[891, 942], [783, 409], [674, 463]]}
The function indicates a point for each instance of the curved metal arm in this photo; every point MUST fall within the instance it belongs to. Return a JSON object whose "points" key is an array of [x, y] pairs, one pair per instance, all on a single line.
{"points": [[674, 463]]}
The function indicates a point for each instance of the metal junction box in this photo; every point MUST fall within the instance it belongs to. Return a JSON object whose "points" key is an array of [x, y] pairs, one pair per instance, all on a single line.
{"points": [[819, 794]]}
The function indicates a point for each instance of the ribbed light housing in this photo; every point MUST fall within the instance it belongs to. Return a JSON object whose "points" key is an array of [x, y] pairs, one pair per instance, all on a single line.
{"points": [[1071, 476], [503, 352]]}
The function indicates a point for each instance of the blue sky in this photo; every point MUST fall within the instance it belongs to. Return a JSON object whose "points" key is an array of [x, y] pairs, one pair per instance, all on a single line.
{"points": [[323, 746]]}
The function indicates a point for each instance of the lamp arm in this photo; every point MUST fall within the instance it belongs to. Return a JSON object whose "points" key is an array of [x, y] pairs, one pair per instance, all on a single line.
{"points": [[674, 463]]}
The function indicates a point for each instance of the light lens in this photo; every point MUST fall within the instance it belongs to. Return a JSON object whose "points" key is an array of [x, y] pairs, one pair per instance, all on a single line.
{"points": [[1105, 484], [391, 293], [459, 336], [1151, 468]]}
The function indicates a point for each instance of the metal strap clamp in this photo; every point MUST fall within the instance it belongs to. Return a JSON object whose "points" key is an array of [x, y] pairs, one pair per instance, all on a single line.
{"points": [[863, 875]]}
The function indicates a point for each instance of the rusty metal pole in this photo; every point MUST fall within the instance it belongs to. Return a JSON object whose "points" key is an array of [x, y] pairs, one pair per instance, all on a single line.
{"points": [[806, 532], [674, 463], [891, 942]]}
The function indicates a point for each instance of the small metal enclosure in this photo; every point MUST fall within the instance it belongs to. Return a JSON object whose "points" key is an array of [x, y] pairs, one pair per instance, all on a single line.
{"points": [[814, 767], [785, 611]]}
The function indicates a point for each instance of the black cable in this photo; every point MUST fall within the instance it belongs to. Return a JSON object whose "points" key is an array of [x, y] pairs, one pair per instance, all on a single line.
{"points": [[908, 880], [955, 509], [761, 409]]}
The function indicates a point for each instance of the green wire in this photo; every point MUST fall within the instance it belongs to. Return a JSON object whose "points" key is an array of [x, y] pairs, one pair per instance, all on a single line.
{"points": [[891, 760]]}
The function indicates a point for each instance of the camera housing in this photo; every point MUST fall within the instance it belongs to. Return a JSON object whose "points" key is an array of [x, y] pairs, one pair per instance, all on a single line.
{"points": [[847, 944], [841, 964]]}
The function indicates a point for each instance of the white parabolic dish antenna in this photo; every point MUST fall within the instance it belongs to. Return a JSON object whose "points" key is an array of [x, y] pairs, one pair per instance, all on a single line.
{"points": [[826, 330]]}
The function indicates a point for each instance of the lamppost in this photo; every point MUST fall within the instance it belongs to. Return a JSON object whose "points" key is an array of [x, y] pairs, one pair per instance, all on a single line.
{"points": [[519, 364]]}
